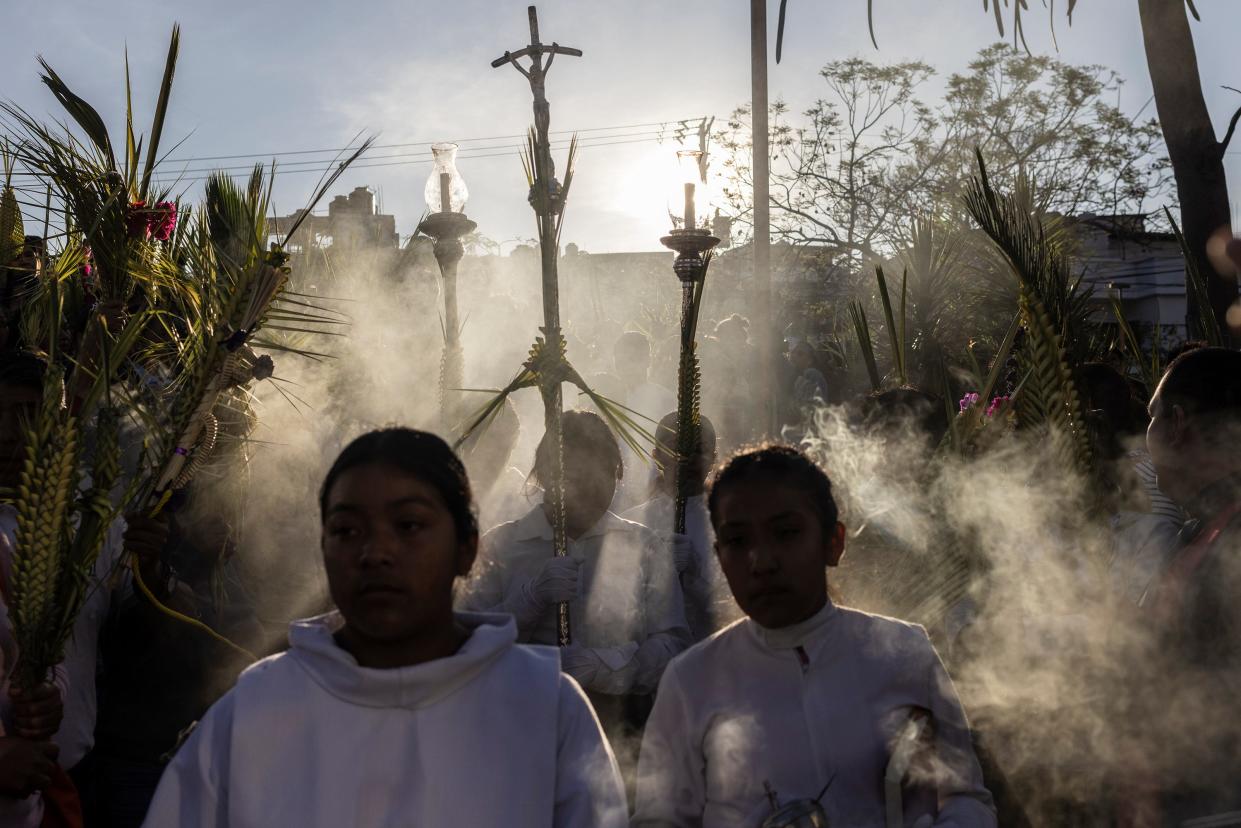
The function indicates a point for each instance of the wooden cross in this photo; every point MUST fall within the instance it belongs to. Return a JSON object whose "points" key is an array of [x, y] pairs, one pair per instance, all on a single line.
{"points": [[543, 173], [537, 73]]}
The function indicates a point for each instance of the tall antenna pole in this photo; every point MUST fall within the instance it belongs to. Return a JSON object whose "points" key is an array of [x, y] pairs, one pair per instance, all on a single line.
{"points": [[766, 397]]}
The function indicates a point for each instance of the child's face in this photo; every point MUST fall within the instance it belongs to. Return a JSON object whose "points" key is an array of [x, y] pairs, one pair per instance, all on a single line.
{"points": [[774, 551], [590, 485], [391, 552]]}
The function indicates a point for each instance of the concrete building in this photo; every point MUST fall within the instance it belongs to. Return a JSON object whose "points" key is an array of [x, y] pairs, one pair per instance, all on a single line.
{"points": [[351, 222], [1120, 258]]}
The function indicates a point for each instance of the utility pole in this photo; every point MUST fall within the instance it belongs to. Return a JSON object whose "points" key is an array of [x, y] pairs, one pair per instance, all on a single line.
{"points": [[760, 165]]}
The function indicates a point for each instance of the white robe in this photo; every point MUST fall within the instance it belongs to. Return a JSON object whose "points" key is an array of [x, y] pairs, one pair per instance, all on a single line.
{"points": [[493, 735], [708, 603], [795, 708], [630, 613]]}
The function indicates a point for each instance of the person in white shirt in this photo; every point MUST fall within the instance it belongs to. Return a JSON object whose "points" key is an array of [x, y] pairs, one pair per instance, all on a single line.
{"points": [[626, 613], [393, 710], [802, 700], [708, 604], [649, 399]]}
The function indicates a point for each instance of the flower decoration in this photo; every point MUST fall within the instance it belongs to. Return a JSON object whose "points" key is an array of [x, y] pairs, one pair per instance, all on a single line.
{"points": [[996, 404], [158, 222], [163, 221], [968, 400], [137, 221]]}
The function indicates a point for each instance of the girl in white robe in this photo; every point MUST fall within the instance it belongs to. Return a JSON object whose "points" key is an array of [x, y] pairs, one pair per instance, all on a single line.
{"points": [[393, 710], [708, 604], [802, 700], [625, 605]]}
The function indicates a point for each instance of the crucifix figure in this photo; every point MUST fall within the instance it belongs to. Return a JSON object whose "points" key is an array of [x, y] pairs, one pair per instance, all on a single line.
{"points": [[547, 199], [537, 73]]}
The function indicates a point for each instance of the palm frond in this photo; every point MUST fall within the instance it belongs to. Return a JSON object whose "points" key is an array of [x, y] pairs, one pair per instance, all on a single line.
{"points": [[326, 184], [896, 335], [1036, 248], [1129, 341], [1049, 404], [81, 112], [1203, 319], [161, 110], [866, 345]]}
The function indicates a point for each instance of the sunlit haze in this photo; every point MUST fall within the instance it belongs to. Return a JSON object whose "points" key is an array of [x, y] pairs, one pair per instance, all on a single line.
{"points": [[283, 76]]}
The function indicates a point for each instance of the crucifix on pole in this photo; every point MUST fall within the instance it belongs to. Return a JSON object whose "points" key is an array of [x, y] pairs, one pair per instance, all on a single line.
{"points": [[545, 168], [547, 199]]}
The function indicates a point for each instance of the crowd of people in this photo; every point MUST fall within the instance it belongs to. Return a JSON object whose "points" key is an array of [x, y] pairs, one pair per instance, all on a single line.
{"points": [[714, 677]]}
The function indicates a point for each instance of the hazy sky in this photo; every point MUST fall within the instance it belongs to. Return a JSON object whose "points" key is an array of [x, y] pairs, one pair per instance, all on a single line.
{"points": [[268, 76]]}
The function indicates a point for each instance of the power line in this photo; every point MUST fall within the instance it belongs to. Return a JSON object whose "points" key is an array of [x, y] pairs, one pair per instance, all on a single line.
{"points": [[425, 155], [511, 153], [428, 143], [664, 128]]}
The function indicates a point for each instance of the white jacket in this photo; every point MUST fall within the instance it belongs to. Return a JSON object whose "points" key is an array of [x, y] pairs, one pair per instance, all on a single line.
{"points": [[794, 709], [708, 603], [631, 612], [494, 735]]}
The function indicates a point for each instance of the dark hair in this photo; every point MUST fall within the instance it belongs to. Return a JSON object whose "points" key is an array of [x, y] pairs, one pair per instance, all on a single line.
{"points": [[735, 319], [784, 462], [1185, 347], [632, 341], [24, 369], [666, 434], [417, 453], [584, 430], [1204, 381]]}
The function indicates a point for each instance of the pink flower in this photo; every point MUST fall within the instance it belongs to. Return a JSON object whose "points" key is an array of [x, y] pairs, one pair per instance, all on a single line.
{"points": [[137, 221], [163, 221], [996, 403], [968, 400]]}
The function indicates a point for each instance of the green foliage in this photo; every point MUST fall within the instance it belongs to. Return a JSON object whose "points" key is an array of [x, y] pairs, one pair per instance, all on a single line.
{"points": [[896, 333], [1048, 403], [12, 233], [866, 345], [139, 317], [1036, 248], [872, 154], [971, 431], [1149, 366], [1203, 324], [546, 367], [1053, 314]]}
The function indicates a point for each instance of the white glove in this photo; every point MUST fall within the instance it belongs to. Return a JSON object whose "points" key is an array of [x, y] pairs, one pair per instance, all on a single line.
{"points": [[683, 554], [605, 670], [556, 581]]}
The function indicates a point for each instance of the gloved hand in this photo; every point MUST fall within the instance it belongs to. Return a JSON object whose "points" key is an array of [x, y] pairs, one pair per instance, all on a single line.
{"points": [[683, 554], [556, 581], [604, 670]]}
